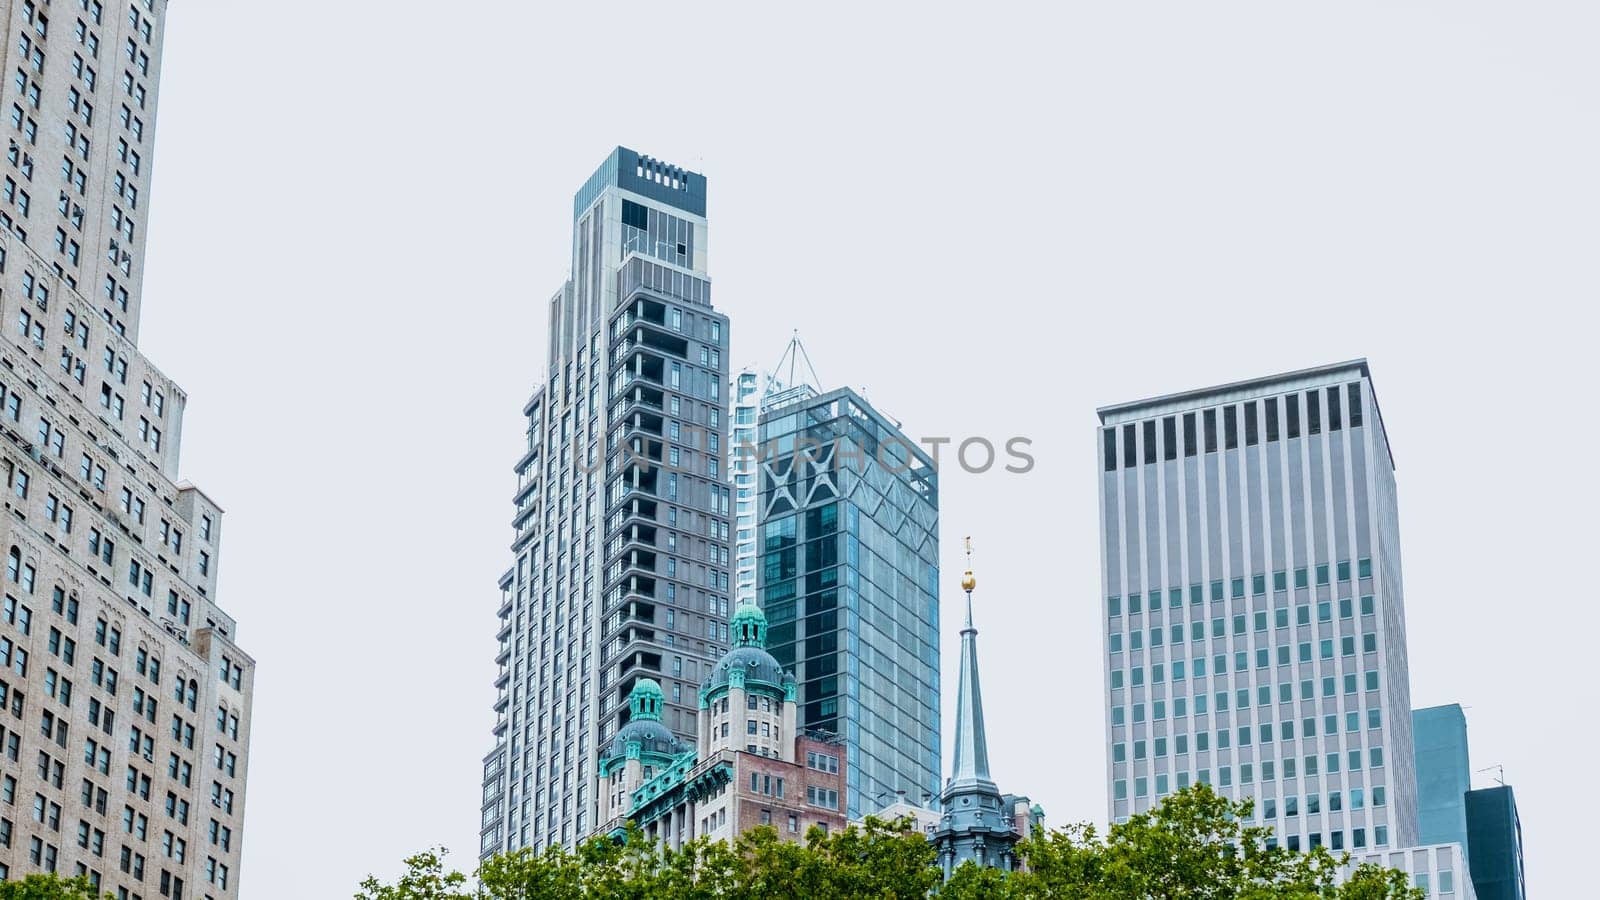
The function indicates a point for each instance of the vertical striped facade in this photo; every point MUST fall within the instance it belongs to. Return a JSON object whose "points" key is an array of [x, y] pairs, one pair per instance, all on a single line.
{"points": [[1252, 606]]}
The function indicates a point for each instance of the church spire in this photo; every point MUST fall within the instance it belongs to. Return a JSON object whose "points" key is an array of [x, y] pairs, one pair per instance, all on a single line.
{"points": [[972, 748], [977, 823]]}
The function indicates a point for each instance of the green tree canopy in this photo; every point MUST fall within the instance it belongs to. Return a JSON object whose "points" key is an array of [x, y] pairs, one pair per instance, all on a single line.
{"points": [[48, 887], [1195, 845]]}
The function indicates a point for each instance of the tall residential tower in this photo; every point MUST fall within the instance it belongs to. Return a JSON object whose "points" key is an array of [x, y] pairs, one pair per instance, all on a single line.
{"points": [[124, 701], [621, 529], [1252, 605]]}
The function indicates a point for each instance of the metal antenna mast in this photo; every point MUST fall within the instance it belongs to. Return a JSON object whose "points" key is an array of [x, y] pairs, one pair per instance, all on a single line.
{"points": [[793, 354]]}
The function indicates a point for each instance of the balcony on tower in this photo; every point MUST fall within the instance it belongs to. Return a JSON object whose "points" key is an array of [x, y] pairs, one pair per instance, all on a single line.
{"points": [[638, 661], [639, 535], [637, 428], [637, 396], [639, 309], [644, 334], [638, 365], [639, 509]]}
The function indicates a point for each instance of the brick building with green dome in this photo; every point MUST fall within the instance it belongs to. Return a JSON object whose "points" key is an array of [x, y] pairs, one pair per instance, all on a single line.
{"points": [[750, 766]]}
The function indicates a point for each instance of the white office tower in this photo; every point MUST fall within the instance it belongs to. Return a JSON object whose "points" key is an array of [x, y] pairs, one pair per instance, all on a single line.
{"points": [[1253, 610]]}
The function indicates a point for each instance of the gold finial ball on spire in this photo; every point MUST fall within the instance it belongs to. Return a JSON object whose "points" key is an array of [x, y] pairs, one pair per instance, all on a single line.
{"points": [[968, 582]]}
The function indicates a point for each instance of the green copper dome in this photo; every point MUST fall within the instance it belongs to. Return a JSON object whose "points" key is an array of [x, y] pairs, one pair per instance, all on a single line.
{"points": [[749, 626], [644, 728], [748, 661], [645, 700]]}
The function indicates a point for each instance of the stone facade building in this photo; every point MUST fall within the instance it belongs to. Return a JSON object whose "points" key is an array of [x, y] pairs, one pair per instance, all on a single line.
{"points": [[124, 699]]}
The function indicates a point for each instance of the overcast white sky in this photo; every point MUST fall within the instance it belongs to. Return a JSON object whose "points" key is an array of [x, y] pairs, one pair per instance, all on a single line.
{"points": [[995, 220]]}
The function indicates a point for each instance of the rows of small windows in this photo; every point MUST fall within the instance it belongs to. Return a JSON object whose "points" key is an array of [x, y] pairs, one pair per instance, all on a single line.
{"points": [[1240, 623], [74, 356], [1180, 744], [53, 443], [97, 753], [1235, 588], [1268, 810], [78, 143], [1257, 413], [1263, 694], [103, 548]]}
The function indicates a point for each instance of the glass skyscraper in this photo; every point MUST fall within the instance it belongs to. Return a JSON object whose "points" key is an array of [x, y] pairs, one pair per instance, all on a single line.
{"points": [[847, 573], [1254, 621], [1496, 834], [1444, 774], [1483, 822], [622, 507]]}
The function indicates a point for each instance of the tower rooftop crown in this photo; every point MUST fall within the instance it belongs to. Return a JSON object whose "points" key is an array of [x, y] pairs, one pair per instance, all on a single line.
{"points": [[648, 177]]}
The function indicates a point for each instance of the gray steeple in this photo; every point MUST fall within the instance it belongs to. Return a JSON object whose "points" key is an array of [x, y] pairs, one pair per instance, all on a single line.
{"points": [[972, 748], [976, 824]]}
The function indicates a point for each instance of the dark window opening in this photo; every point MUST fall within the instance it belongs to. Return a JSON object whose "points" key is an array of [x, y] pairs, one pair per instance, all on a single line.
{"points": [[1111, 449], [1130, 451], [1210, 417], [1169, 438], [1189, 443], [1333, 409], [1291, 406], [635, 214], [1271, 404], [1251, 434], [1150, 442], [1313, 412], [1230, 426], [1355, 405]]}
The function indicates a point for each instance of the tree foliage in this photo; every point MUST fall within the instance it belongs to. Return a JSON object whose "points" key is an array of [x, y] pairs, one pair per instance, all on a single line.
{"points": [[49, 887], [1194, 846], [880, 860]]}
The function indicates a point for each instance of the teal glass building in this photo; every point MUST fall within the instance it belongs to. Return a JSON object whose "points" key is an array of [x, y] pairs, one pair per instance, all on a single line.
{"points": [[1496, 834], [1444, 775], [1484, 821], [847, 574]]}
